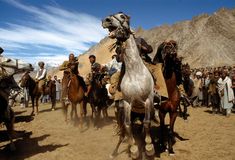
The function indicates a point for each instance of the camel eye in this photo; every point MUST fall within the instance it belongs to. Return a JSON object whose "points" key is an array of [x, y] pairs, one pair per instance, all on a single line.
{"points": [[122, 16]]}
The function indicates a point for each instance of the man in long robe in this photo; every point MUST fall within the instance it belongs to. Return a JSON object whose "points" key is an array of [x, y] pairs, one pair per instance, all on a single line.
{"points": [[226, 92]]}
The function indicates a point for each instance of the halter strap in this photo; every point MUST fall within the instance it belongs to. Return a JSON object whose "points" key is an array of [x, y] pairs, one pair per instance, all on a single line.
{"points": [[121, 22]]}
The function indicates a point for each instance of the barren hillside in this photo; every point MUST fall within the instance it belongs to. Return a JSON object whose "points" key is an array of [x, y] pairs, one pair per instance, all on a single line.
{"points": [[206, 40]]}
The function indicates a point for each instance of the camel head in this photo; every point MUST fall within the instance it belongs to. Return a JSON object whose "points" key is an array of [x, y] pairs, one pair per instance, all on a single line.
{"points": [[118, 26], [169, 50]]}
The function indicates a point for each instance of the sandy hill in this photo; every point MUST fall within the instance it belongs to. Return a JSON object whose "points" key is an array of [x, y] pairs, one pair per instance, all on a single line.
{"points": [[206, 40]]}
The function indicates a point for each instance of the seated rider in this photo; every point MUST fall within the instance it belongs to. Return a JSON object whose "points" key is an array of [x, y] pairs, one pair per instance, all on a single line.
{"points": [[41, 76], [95, 67], [70, 66], [158, 59]]}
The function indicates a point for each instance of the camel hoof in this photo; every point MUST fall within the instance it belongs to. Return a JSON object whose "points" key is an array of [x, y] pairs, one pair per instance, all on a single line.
{"points": [[148, 140], [134, 151], [171, 154], [12, 147], [149, 148], [113, 155]]}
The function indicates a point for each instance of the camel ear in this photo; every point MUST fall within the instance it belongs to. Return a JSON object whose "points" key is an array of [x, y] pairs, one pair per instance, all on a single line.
{"points": [[128, 17]]}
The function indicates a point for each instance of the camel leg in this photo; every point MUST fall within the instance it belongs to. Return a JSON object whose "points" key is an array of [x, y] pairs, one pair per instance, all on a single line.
{"points": [[72, 111], [65, 110], [92, 110], [74, 105], [32, 99], [37, 98], [162, 116], [10, 134], [84, 105], [131, 141], [149, 148], [53, 102], [173, 116], [119, 113], [97, 116], [185, 112], [10, 130], [82, 113], [121, 138], [105, 112], [180, 111]]}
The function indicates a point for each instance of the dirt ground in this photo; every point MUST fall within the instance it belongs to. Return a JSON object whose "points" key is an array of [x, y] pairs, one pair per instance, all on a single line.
{"points": [[47, 136]]}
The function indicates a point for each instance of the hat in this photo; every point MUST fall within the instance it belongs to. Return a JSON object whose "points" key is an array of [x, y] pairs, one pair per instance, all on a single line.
{"points": [[198, 73], [41, 62], [92, 56], [1, 50], [96, 66]]}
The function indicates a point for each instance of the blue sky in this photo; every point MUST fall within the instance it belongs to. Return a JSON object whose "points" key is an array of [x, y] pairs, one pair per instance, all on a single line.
{"points": [[49, 30]]}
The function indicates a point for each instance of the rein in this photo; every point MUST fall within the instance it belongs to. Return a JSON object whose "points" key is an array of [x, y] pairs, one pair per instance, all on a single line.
{"points": [[121, 22]]}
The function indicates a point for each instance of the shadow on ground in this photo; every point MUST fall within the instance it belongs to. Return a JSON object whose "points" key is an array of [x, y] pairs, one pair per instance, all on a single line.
{"points": [[26, 147]]}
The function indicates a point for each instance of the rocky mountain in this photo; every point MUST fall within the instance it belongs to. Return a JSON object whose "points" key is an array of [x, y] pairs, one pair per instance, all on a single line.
{"points": [[206, 40]]}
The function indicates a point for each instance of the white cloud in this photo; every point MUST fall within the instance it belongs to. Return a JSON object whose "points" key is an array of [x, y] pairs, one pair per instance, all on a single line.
{"points": [[51, 28], [49, 61]]}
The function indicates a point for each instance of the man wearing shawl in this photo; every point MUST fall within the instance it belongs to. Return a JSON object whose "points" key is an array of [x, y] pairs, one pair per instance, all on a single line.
{"points": [[226, 92], [196, 95]]}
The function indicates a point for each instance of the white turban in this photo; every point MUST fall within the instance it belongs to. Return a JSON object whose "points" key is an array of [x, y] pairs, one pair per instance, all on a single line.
{"points": [[198, 73]]}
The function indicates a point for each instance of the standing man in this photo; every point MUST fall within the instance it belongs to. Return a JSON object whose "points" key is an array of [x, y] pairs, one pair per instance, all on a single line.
{"points": [[58, 88], [51, 86], [196, 91], [226, 92], [41, 76], [213, 92]]}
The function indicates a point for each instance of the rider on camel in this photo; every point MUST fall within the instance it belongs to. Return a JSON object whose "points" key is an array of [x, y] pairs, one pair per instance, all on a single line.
{"points": [[71, 66], [41, 76], [158, 59], [95, 67]]}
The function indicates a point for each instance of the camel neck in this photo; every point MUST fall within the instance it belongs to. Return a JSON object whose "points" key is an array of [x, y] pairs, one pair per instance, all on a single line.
{"points": [[131, 57]]}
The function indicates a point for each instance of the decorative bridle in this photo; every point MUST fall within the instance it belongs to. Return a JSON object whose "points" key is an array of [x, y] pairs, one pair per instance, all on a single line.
{"points": [[120, 44], [3, 65], [171, 45], [120, 21]]}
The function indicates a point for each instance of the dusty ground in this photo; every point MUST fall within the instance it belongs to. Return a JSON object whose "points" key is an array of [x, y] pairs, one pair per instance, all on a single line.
{"points": [[48, 137]]}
